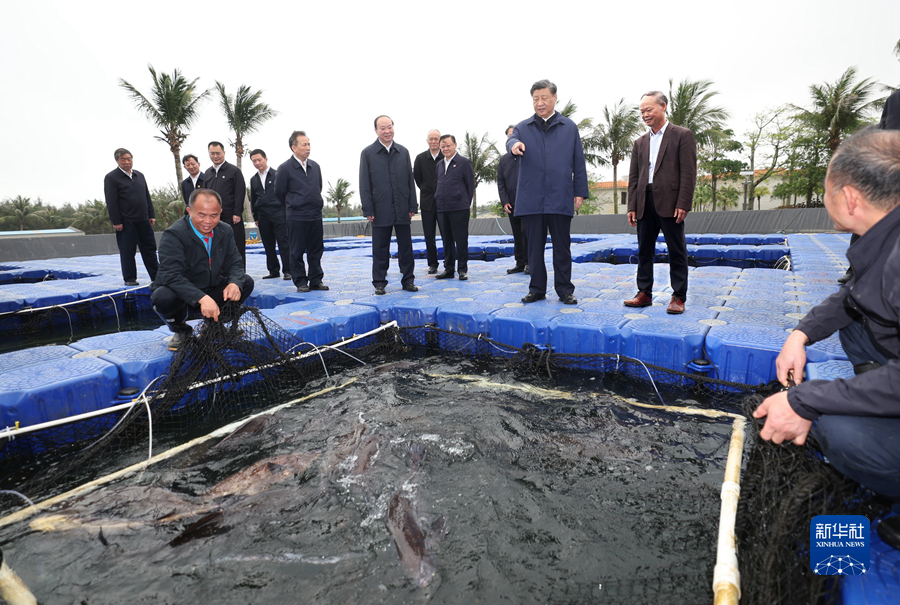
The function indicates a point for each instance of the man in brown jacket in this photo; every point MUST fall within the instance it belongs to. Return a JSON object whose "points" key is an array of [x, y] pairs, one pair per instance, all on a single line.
{"points": [[660, 194]]}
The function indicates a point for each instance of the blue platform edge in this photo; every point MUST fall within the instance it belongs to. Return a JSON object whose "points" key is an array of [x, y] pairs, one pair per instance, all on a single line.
{"points": [[880, 585]]}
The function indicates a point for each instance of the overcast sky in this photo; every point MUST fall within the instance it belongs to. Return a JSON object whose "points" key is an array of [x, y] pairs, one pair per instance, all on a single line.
{"points": [[330, 67]]}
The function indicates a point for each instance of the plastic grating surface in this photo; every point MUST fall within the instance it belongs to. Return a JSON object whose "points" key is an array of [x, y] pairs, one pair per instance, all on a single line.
{"points": [[880, 585], [829, 370], [29, 357]]}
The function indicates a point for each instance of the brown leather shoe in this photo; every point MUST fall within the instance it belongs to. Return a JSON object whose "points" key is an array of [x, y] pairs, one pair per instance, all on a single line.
{"points": [[640, 300], [676, 306]]}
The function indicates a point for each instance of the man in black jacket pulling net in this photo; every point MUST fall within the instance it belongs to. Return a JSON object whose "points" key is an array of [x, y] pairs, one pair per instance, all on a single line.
{"points": [[199, 267]]}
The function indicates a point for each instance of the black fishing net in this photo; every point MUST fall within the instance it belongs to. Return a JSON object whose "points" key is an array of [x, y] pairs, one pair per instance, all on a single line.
{"points": [[246, 361], [782, 488]]}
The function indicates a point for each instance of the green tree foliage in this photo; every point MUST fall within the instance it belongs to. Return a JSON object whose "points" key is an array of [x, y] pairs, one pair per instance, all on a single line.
{"points": [[172, 107], [765, 144], [590, 135], [19, 213], [168, 205], [690, 106], [339, 196], [245, 113], [805, 165], [485, 158], [840, 107], [621, 126], [93, 217], [714, 160]]}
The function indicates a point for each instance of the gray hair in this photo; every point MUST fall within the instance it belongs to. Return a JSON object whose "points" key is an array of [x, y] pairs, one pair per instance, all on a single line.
{"points": [[120, 152], [540, 84], [658, 96], [869, 161], [208, 192]]}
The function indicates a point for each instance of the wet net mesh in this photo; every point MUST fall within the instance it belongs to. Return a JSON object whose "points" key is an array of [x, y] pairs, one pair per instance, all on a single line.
{"points": [[246, 361]]}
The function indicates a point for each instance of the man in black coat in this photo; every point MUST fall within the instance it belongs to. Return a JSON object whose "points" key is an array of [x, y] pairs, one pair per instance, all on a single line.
{"points": [[268, 212], [387, 189], [856, 421], [200, 267], [131, 212], [425, 173], [226, 180], [453, 197], [298, 186], [507, 181], [194, 180]]}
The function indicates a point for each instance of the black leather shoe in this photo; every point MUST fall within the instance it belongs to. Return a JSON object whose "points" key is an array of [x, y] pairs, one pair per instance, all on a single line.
{"points": [[271, 276], [516, 269], [132, 283], [444, 275], [463, 276], [319, 286], [432, 270], [411, 288], [532, 297], [527, 272], [379, 290], [568, 299], [303, 288], [287, 277], [179, 337], [889, 531]]}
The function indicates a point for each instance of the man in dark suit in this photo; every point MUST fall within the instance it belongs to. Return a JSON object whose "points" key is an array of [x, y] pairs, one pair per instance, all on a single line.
{"points": [[453, 197], [200, 267], [194, 180], [387, 190], [507, 181], [660, 194], [553, 172], [298, 187], [425, 173], [131, 212], [268, 212], [226, 180]]}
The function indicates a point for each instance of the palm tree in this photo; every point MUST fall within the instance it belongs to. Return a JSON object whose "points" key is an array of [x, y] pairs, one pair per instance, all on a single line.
{"points": [[590, 135], [92, 217], [19, 211], [484, 157], [690, 107], [841, 107], [339, 195], [173, 108], [168, 205], [244, 113], [621, 126]]}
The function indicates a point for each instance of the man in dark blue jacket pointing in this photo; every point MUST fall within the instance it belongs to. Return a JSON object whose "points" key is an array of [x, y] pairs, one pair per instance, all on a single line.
{"points": [[552, 186]]}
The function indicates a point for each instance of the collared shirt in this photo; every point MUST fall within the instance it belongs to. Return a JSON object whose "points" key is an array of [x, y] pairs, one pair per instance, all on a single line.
{"points": [[655, 142], [217, 166], [447, 162], [547, 119], [194, 179], [206, 239], [387, 147], [302, 164], [262, 177], [128, 174], [434, 156]]}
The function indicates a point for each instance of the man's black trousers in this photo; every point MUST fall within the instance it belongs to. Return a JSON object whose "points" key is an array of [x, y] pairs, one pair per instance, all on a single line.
{"points": [[381, 255], [536, 228], [133, 236], [306, 238], [648, 228], [455, 236]]}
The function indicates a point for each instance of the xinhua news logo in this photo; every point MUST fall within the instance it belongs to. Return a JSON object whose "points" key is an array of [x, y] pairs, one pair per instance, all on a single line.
{"points": [[839, 545]]}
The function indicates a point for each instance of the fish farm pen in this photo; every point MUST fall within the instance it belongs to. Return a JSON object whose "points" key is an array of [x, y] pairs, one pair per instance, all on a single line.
{"points": [[451, 444]]}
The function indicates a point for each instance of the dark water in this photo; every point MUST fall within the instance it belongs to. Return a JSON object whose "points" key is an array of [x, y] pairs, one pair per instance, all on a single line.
{"points": [[573, 497]]}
